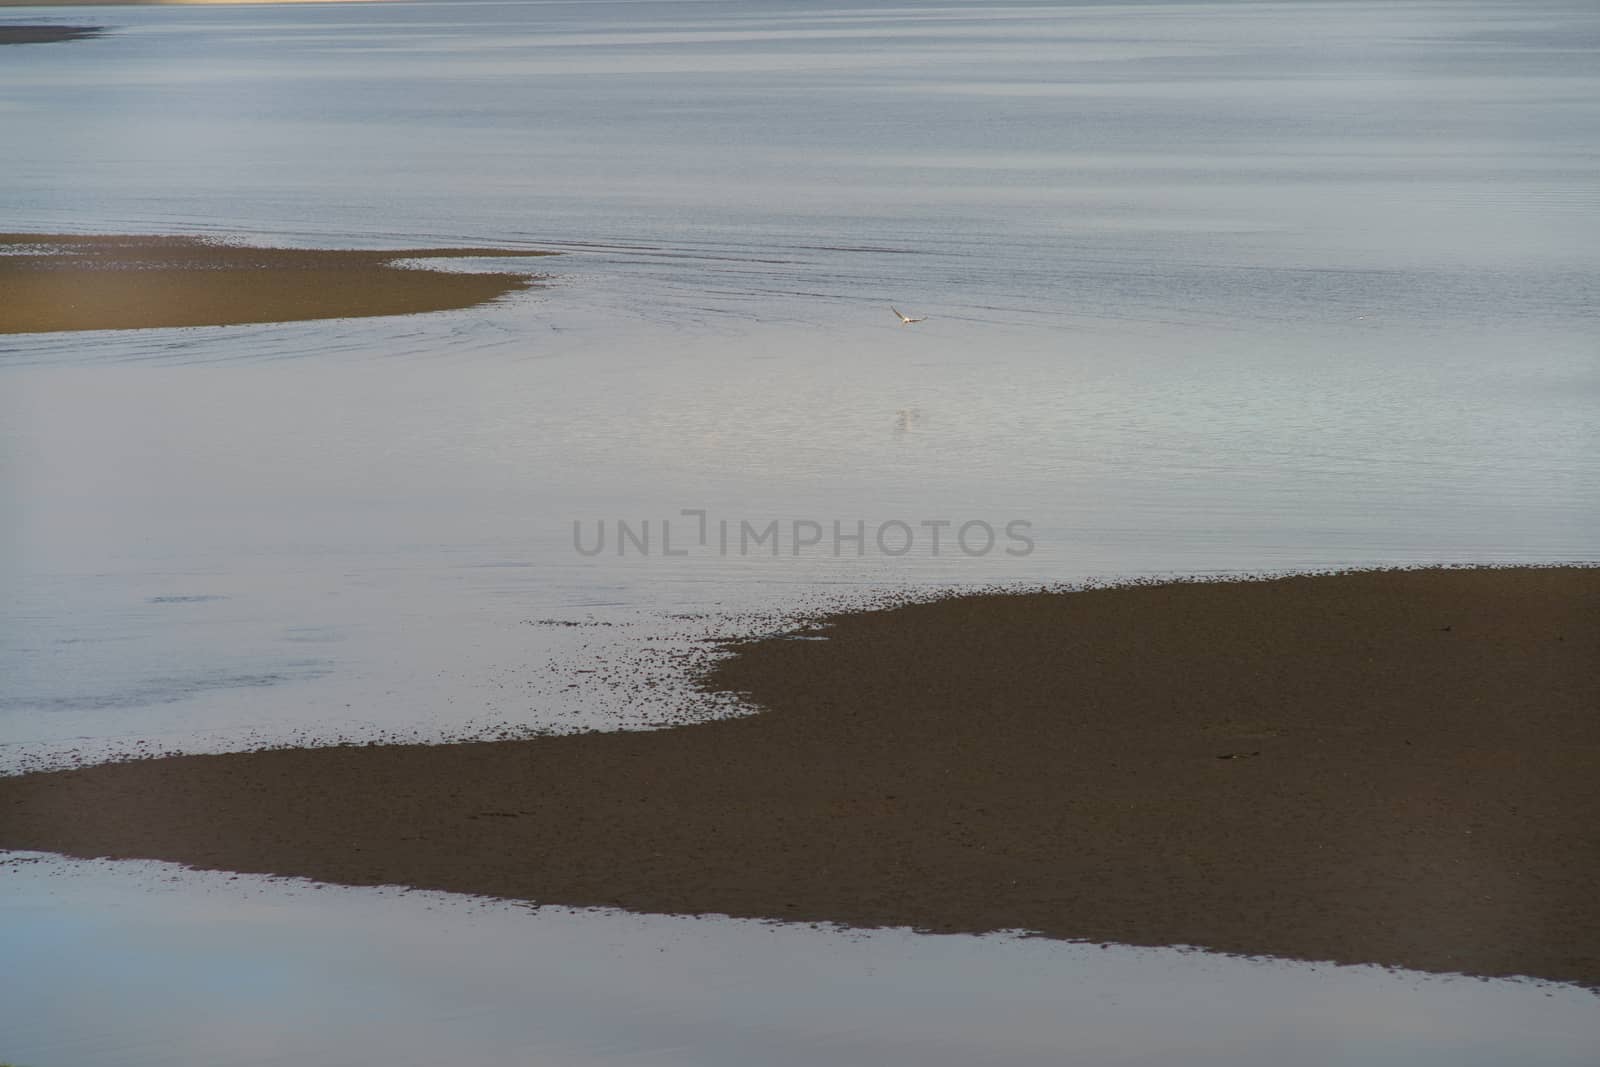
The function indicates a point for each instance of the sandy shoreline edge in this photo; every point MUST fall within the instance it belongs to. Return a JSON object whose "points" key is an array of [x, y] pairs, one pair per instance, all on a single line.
{"points": [[1375, 767], [64, 282]]}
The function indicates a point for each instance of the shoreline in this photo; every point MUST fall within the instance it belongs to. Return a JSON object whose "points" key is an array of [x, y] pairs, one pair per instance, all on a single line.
{"points": [[70, 282], [1390, 767]]}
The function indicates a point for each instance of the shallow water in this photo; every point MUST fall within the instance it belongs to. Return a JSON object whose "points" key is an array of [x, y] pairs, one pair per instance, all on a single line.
{"points": [[166, 966], [1210, 288]]}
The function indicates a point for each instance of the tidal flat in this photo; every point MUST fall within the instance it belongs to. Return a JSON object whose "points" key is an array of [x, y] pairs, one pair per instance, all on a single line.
{"points": [[1374, 767]]}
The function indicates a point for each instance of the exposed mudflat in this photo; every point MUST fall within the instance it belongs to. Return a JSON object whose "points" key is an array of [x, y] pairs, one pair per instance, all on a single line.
{"points": [[1388, 767], [16, 33], [55, 282]]}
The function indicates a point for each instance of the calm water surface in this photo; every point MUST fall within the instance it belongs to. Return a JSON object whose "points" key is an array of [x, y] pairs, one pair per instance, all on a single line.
{"points": [[1210, 287]]}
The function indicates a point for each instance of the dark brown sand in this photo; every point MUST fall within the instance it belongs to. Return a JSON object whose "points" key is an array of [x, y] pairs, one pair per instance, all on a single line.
{"points": [[1399, 768], [20, 34], [65, 282]]}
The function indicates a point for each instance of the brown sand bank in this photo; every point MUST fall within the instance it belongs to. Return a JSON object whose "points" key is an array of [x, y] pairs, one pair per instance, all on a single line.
{"points": [[66, 282], [15, 34], [1401, 768]]}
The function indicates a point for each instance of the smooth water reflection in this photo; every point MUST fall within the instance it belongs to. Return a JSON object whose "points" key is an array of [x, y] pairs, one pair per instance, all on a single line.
{"points": [[139, 964], [234, 536]]}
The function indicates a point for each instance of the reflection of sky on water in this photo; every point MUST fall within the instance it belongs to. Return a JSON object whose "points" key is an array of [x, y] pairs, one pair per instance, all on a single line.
{"points": [[166, 966], [244, 538]]}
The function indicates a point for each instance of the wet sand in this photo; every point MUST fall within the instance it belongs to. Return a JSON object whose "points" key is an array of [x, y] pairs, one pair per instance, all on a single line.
{"points": [[66, 282], [23, 34], [1393, 767]]}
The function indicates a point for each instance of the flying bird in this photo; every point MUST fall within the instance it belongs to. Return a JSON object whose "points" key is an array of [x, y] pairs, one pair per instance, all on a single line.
{"points": [[905, 320]]}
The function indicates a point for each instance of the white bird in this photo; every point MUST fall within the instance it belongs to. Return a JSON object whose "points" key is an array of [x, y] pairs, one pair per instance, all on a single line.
{"points": [[905, 320]]}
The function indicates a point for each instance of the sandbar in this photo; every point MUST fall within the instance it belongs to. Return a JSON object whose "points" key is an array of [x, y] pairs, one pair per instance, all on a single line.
{"points": [[1387, 767], [60, 282], [46, 34]]}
